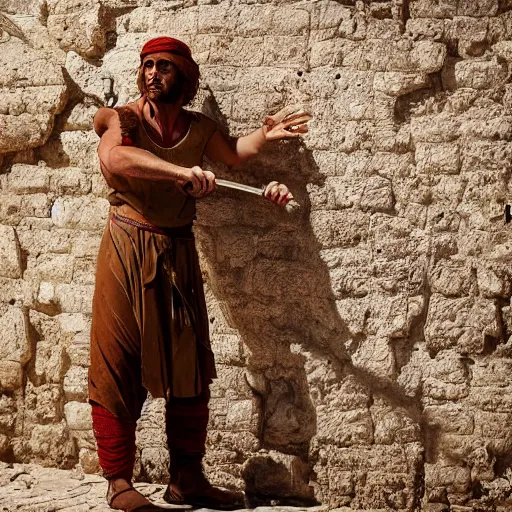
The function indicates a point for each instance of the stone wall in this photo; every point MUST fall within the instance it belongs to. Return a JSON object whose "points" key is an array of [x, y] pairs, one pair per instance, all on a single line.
{"points": [[363, 340]]}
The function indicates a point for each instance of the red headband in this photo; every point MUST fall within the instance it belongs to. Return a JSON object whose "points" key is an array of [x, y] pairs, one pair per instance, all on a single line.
{"points": [[166, 44]]}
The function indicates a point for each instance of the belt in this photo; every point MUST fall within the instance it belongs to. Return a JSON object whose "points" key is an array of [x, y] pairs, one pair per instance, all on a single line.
{"points": [[176, 232]]}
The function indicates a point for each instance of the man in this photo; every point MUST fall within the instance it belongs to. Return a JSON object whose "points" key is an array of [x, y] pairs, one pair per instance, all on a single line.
{"points": [[150, 327]]}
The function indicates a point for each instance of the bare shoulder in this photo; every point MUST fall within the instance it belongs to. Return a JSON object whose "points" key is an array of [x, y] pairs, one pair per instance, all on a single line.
{"points": [[125, 117], [103, 120]]}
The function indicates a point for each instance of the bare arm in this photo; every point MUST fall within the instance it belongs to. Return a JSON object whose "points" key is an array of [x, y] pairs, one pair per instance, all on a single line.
{"points": [[119, 160], [289, 122]]}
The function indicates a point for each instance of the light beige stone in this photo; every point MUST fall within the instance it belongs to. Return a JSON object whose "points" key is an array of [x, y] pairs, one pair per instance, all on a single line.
{"points": [[78, 416], [16, 346], [10, 256], [33, 92]]}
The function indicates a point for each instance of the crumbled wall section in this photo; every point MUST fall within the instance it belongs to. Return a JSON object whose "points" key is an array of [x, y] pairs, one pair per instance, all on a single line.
{"points": [[363, 340]]}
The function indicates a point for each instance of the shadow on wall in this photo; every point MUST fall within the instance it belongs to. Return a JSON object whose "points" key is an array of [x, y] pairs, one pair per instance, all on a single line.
{"points": [[265, 266]]}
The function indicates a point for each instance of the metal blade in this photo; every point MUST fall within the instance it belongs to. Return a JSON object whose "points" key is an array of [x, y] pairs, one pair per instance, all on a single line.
{"points": [[239, 186]]}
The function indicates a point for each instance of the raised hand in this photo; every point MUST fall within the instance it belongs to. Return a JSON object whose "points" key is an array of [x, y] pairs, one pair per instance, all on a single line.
{"points": [[289, 122]]}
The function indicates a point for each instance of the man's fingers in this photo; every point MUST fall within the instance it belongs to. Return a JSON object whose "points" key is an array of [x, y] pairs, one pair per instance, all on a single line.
{"points": [[285, 112], [297, 120], [285, 197], [268, 189], [210, 182], [295, 131]]}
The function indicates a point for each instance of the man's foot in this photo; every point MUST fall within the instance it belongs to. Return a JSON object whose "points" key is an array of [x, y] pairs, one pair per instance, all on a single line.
{"points": [[189, 485], [122, 496], [206, 497]]}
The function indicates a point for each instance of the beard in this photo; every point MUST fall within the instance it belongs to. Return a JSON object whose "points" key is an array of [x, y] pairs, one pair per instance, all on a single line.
{"points": [[173, 95]]}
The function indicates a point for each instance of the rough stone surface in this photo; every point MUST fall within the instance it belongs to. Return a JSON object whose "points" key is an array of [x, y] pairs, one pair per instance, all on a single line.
{"points": [[363, 340]]}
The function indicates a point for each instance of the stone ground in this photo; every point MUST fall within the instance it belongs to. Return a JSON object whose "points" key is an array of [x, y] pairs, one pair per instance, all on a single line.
{"points": [[32, 488]]}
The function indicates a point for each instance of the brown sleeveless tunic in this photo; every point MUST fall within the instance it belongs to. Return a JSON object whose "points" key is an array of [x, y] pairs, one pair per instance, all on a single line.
{"points": [[150, 326]]}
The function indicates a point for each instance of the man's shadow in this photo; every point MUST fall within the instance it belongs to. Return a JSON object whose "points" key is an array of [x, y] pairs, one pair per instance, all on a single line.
{"points": [[264, 264]]}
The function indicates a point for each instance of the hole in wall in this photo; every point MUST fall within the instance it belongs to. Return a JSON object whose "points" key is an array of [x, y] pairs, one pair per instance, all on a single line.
{"points": [[508, 214]]}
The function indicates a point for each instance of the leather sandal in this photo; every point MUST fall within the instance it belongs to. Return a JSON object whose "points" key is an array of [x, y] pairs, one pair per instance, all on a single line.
{"points": [[150, 507], [208, 497]]}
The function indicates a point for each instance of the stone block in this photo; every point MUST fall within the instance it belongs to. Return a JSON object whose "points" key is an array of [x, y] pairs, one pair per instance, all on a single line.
{"points": [[86, 75], [10, 255], [28, 179], [89, 461], [35, 241], [437, 158], [277, 474], [51, 446], [425, 28], [350, 428], [78, 416], [75, 384], [462, 323], [326, 53], [354, 313], [70, 181], [290, 22], [241, 415], [453, 418], [254, 20], [494, 426], [450, 279], [227, 348], [78, 27], [81, 117], [53, 268], [236, 51], [287, 51], [492, 399], [86, 244], [85, 213], [446, 378], [73, 323], [481, 8], [74, 298], [398, 84], [393, 426], [78, 350], [340, 228], [15, 343], [479, 74], [455, 478], [377, 195], [49, 361], [155, 463], [374, 356], [426, 9], [11, 375], [79, 148], [428, 56], [33, 92], [491, 372], [493, 283], [43, 403], [84, 271], [216, 19]]}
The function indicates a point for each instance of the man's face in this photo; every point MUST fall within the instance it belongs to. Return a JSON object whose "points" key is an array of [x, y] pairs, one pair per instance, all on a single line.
{"points": [[161, 78]]}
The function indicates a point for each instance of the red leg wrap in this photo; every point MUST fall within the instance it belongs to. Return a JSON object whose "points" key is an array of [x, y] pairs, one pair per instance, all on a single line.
{"points": [[116, 443]]}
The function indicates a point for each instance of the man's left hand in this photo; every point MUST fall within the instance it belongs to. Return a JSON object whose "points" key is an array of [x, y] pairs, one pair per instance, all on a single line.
{"points": [[278, 193], [289, 122]]}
